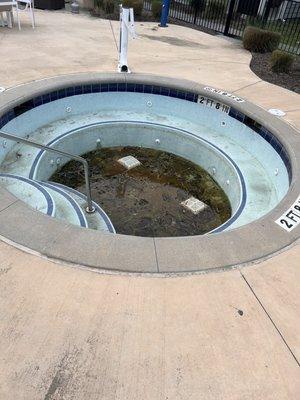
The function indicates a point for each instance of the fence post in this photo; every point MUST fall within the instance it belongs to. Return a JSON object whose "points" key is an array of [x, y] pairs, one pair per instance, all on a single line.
{"points": [[195, 16], [164, 13], [229, 17], [266, 13]]}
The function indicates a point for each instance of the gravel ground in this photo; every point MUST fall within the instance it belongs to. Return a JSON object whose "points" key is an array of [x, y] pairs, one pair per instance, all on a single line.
{"points": [[260, 65]]}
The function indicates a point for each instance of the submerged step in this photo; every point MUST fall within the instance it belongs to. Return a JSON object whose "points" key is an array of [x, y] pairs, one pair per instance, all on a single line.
{"points": [[97, 220], [30, 192], [66, 208]]}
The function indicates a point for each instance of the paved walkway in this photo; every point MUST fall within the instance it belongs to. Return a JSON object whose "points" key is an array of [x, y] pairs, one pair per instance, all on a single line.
{"points": [[68, 333]]}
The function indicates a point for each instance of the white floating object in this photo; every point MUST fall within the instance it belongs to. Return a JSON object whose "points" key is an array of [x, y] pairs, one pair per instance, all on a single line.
{"points": [[277, 112], [194, 205], [157, 141], [129, 162], [68, 109], [149, 103], [2, 89]]}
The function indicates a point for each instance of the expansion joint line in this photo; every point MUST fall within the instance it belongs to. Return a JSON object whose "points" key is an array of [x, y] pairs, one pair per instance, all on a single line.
{"points": [[114, 36], [11, 204], [247, 86], [157, 265], [271, 320]]}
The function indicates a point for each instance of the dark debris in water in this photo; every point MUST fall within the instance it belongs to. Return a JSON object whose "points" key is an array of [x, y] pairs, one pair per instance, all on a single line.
{"points": [[145, 201]]}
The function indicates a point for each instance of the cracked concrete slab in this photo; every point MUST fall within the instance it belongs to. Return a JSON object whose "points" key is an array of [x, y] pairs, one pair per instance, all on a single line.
{"points": [[69, 333]]}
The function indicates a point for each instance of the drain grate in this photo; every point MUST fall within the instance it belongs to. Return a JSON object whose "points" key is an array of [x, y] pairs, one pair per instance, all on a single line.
{"points": [[129, 162], [194, 205]]}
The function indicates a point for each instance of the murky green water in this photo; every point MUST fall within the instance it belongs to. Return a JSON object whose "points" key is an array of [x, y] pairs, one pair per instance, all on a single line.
{"points": [[145, 201]]}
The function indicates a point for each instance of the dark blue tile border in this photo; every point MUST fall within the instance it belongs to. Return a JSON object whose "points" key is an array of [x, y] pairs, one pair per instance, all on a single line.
{"points": [[96, 88], [237, 115], [61, 93], [144, 88], [78, 90], [104, 87], [130, 87]]}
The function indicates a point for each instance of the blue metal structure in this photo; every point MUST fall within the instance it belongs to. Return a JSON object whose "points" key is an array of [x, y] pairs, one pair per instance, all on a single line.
{"points": [[165, 13]]}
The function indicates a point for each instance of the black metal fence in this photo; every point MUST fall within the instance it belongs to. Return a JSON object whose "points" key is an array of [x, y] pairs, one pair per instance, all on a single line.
{"points": [[230, 17]]}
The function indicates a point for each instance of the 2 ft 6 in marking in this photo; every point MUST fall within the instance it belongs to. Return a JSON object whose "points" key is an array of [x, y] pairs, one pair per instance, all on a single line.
{"points": [[291, 218], [213, 104]]}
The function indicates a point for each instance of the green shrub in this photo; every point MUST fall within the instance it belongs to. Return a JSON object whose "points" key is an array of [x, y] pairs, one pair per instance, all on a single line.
{"points": [[215, 9], [137, 6], [281, 61], [108, 6], [98, 3], [259, 40], [156, 9]]}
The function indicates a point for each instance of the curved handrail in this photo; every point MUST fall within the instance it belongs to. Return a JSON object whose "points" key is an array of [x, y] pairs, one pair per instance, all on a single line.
{"points": [[90, 208]]}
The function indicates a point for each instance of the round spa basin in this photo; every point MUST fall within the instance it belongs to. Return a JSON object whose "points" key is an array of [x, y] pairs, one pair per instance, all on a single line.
{"points": [[249, 155]]}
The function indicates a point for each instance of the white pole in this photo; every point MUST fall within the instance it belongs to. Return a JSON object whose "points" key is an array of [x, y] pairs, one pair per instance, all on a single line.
{"points": [[123, 64], [126, 28]]}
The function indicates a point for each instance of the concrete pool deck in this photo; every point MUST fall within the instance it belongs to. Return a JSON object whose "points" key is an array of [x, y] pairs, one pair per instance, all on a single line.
{"points": [[71, 333]]}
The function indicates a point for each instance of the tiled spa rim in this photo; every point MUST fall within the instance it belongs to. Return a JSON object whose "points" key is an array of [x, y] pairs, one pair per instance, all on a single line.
{"points": [[251, 154]]}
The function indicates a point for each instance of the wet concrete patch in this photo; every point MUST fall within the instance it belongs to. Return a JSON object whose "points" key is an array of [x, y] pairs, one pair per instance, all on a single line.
{"points": [[175, 41]]}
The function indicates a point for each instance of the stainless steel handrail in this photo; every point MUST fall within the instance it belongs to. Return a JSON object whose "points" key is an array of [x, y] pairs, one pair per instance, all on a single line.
{"points": [[90, 208]]}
